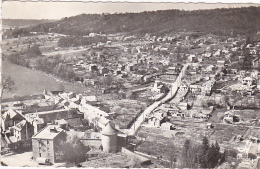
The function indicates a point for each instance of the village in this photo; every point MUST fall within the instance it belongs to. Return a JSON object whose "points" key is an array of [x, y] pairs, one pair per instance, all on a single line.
{"points": [[146, 95]]}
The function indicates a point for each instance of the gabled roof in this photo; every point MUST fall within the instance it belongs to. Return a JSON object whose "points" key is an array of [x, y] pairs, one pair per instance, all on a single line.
{"points": [[109, 130], [12, 114]]}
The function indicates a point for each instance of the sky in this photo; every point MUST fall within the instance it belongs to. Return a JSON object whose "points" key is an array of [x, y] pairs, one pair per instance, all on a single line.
{"points": [[58, 10]]}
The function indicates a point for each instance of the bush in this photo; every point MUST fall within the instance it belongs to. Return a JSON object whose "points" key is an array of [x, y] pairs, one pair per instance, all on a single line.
{"points": [[21, 146], [231, 153], [251, 156]]}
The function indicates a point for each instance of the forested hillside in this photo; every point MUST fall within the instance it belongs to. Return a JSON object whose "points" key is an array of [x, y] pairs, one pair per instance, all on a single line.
{"points": [[217, 21]]}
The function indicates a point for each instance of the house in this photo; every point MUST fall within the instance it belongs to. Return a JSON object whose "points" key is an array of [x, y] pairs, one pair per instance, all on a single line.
{"points": [[90, 112], [248, 81], [22, 130], [207, 86], [192, 58], [156, 119], [184, 87], [159, 87], [90, 82], [183, 106], [254, 74], [45, 143], [233, 71], [199, 115], [221, 63], [92, 67], [10, 118], [129, 67], [147, 78], [121, 67], [195, 88], [117, 72], [103, 70], [172, 70], [167, 126], [91, 99], [242, 73], [255, 62], [51, 116], [230, 117]]}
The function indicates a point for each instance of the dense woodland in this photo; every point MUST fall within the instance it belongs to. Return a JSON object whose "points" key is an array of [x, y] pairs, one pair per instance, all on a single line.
{"points": [[218, 21]]}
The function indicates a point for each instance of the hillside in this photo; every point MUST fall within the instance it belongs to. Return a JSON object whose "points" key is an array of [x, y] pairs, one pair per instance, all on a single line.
{"points": [[31, 82], [217, 21], [7, 23]]}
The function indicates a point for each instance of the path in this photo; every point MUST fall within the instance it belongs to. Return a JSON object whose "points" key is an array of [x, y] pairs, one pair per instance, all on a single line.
{"points": [[136, 125]]}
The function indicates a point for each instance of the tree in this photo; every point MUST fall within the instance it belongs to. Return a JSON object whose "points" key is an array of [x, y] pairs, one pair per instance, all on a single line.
{"points": [[200, 156], [203, 152], [252, 156], [7, 84], [73, 150], [33, 51], [185, 150]]}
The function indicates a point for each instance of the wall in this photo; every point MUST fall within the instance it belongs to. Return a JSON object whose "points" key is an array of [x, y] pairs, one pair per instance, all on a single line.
{"points": [[46, 150], [91, 142], [143, 160], [109, 143]]}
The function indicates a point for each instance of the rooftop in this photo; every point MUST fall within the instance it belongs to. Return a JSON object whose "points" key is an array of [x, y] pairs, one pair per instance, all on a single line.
{"points": [[109, 130], [49, 132]]}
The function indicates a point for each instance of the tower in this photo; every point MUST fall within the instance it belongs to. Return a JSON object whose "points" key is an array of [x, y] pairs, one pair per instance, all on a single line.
{"points": [[109, 138]]}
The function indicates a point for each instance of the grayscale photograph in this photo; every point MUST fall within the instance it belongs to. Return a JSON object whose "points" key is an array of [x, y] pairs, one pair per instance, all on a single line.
{"points": [[130, 84]]}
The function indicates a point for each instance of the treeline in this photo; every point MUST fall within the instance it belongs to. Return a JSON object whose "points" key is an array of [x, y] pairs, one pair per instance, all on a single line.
{"points": [[57, 68], [231, 21], [204, 155], [80, 41], [53, 66], [23, 57]]}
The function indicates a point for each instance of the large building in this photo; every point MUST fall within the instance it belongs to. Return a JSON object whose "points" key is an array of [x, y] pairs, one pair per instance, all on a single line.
{"points": [[46, 143]]}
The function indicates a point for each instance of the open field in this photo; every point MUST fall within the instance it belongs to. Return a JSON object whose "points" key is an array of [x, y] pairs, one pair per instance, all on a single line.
{"points": [[162, 142], [31, 82]]}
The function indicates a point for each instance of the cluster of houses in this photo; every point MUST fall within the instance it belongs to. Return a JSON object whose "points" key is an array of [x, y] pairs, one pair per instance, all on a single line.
{"points": [[48, 129]]}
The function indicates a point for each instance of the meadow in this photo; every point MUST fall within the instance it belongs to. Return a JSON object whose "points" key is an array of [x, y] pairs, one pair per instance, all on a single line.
{"points": [[33, 82]]}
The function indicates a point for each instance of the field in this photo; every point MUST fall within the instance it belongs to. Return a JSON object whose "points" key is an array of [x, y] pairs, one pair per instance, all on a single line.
{"points": [[167, 143], [32, 82], [123, 111]]}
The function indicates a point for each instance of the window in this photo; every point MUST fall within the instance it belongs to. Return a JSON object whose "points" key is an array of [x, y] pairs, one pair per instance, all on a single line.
{"points": [[40, 154], [48, 142]]}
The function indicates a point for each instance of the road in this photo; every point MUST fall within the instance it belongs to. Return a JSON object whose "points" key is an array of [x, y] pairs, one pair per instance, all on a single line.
{"points": [[175, 85]]}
